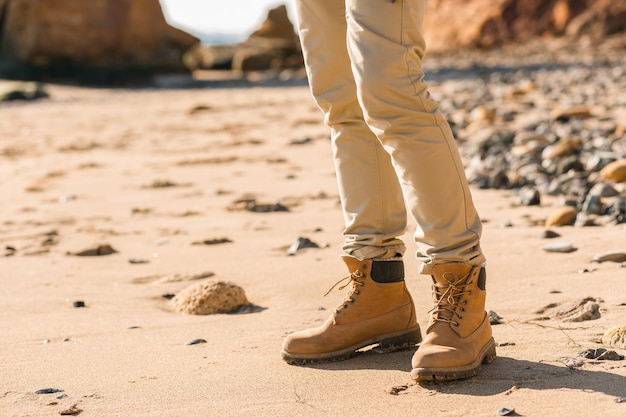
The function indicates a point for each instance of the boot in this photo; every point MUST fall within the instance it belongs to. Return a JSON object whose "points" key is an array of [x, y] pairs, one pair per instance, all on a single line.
{"points": [[458, 339], [378, 310]]}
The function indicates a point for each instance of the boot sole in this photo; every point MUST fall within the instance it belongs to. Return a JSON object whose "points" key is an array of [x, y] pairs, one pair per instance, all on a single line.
{"points": [[486, 356], [387, 343]]}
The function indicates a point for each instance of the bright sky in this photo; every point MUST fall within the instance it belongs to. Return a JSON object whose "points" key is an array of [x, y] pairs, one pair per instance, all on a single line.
{"points": [[223, 16]]}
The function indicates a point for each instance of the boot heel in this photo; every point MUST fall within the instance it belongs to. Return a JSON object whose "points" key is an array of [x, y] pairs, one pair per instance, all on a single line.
{"points": [[490, 354], [403, 341]]}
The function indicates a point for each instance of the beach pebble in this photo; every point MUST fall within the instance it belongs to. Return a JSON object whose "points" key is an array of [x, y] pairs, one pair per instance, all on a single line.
{"points": [[71, 411], [195, 342], [48, 391], [611, 256], [563, 216], [529, 196], [579, 310], [573, 363], [565, 114], [210, 297], [559, 247], [615, 337], [78, 304], [504, 411], [24, 91], [301, 243], [100, 250], [214, 241], [615, 171], [494, 318], [549, 234], [601, 354], [138, 261]]}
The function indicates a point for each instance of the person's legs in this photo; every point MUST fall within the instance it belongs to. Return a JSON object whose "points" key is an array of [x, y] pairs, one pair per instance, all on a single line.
{"points": [[378, 309], [386, 47]]}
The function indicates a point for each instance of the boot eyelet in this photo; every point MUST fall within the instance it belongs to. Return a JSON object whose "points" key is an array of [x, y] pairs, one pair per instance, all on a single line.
{"points": [[456, 323]]}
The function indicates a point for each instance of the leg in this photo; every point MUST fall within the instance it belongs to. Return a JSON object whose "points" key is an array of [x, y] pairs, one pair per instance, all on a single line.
{"points": [[386, 58], [373, 206], [378, 309]]}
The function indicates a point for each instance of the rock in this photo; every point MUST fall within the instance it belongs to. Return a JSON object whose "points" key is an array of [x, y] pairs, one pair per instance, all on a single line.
{"points": [[559, 247], [612, 256], [580, 310], [563, 216], [100, 250], [96, 41], [211, 297], [276, 25], [452, 24], [598, 22], [273, 46], [549, 234], [615, 337], [615, 171], [529, 196], [601, 354], [301, 243], [494, 318], [603, 190], [562, 148], [24, 91], [565, 114]]}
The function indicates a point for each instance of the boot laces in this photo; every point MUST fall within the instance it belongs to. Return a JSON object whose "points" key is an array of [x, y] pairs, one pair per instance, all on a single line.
{"points": [[448, 298], [354, 291]]}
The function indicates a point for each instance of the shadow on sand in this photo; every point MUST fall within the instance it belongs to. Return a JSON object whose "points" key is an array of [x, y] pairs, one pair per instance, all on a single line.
{"points": [[502, 375]]}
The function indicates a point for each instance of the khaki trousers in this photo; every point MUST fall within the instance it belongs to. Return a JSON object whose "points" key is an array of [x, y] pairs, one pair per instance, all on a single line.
{"points": [[392, 147]]}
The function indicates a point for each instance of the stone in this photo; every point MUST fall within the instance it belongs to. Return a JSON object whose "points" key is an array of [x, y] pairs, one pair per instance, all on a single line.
{"points": [[598, 22], [559, 247], [610, 256], [615, 171], [579, 310], [453, 24], [97, 41], [210, 297], [529, 196], [273, 46], [564, 216], [24, 91], [615, 337], [565, 114]]}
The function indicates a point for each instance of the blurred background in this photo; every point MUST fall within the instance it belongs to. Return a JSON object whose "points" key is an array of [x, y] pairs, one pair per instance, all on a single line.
{"points": [[121, 41]]}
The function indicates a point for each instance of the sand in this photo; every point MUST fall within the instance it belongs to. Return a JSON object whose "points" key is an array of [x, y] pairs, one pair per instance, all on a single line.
{"points": [[153, 173]]}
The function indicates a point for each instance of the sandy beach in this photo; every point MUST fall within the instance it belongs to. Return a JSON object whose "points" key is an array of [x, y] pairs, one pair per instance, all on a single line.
{"points": [[162, 176]]}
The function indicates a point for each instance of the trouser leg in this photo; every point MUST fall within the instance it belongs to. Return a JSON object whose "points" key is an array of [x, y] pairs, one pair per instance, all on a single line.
{"points": [[372, 201], [385, 47]]}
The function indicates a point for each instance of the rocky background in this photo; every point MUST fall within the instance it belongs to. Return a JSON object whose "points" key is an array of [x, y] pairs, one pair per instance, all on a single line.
{"points": [[105, 41]]}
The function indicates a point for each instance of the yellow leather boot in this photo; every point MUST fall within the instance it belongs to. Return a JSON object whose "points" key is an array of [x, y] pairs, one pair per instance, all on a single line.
{"points": [[378, 310], [458, 339]]}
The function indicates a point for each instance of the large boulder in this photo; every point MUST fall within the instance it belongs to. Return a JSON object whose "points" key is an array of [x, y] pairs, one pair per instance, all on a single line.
{"points": [[273, 46], [95, 40], [451, 24]]}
